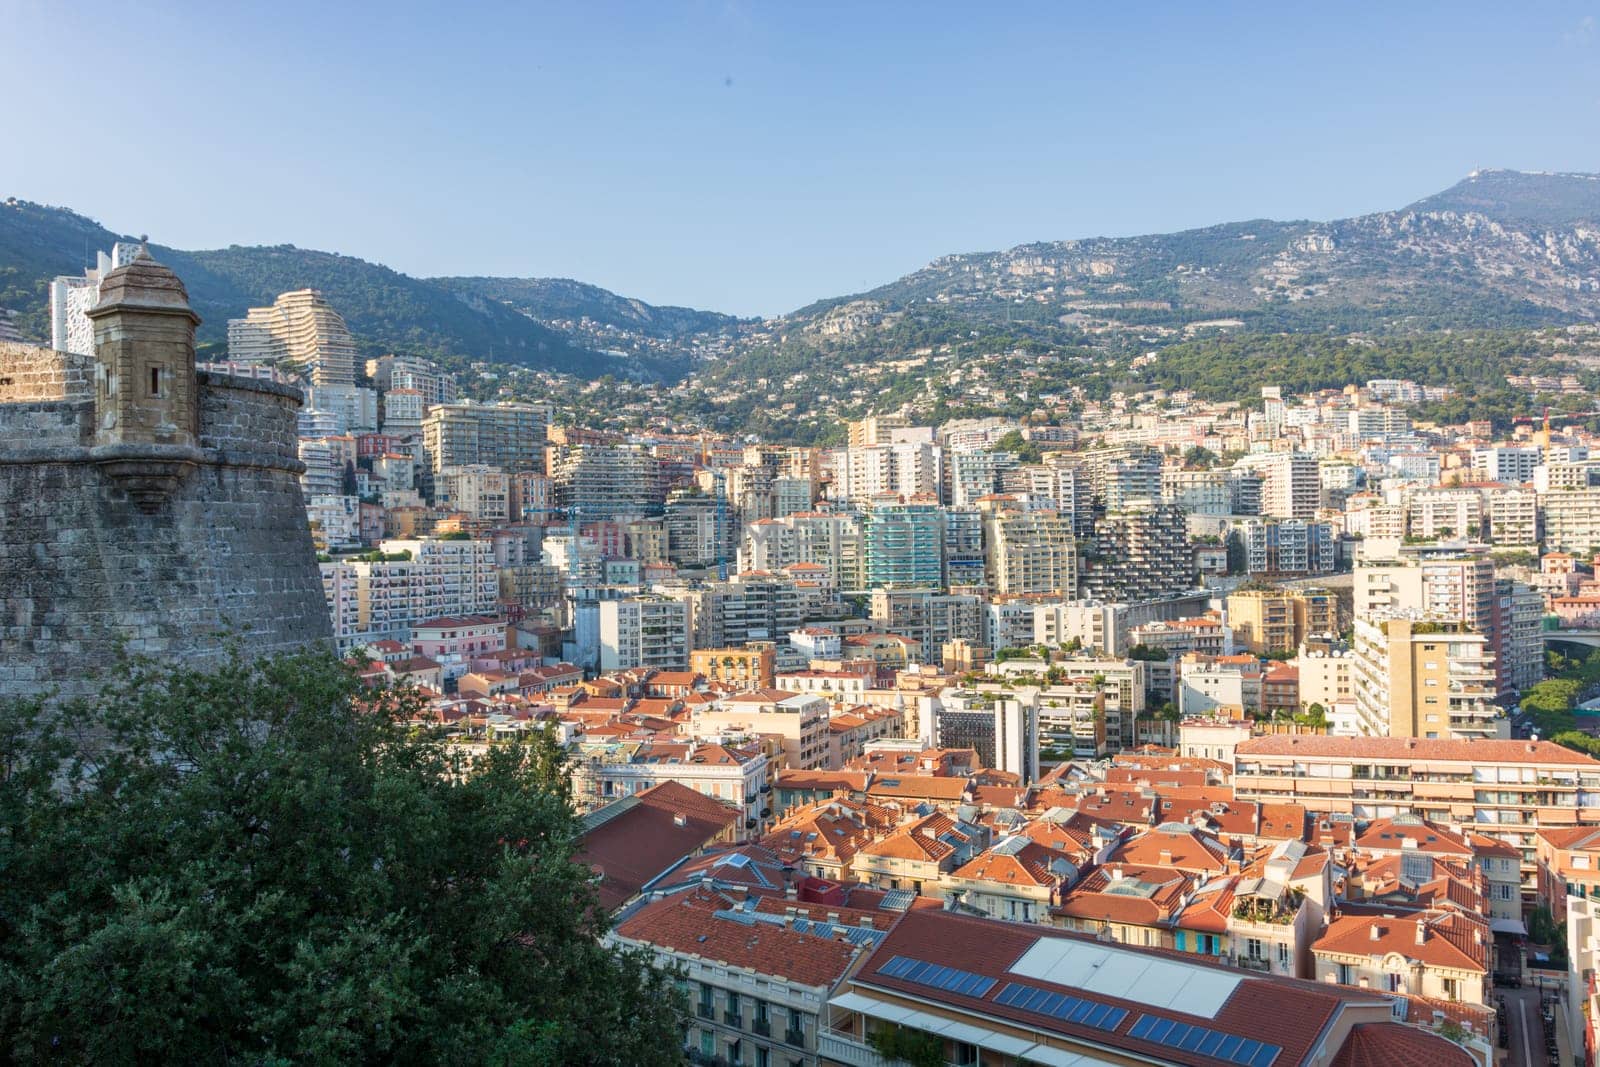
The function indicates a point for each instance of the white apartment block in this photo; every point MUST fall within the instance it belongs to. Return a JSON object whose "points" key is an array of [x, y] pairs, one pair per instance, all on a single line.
{"points": [[481, 491], [301, 329], [647, 631], [1511, 464], [1445, 514], [1513, 516], [1291, 485], [905, 470], [1572, 521], [376, 600]]}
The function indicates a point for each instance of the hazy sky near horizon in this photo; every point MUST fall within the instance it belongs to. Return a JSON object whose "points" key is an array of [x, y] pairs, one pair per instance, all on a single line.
{"points": [[752, 157]]}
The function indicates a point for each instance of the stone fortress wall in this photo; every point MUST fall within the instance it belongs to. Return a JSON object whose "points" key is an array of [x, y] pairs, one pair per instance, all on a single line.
{"points": [[93, 561]]}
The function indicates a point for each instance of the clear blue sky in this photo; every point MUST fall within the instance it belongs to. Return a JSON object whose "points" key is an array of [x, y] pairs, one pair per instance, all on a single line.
{"points": [[752, 157]]}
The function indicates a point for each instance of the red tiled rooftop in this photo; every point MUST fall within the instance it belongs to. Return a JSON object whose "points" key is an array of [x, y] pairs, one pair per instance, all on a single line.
{"points": [[643, 840], [1398, 1045], [687, 923]]}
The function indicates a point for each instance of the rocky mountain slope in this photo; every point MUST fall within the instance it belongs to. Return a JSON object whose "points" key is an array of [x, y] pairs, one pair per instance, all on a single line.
{"points": [[1501, 250]]}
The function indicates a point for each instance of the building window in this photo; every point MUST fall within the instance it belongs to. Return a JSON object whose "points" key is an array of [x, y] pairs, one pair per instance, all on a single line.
{"points": [[158, 382]]}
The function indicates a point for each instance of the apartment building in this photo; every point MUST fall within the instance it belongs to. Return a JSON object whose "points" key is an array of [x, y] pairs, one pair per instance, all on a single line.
{"points": [[1326, 677], [1572, 520], [1422, 677], [1288, 547], [508, 436], [1437, 955], [1511, 464], [1568, 862], [1179, 636], [903, 544], [1002, 727], [1031, 552], [1199, 492], [482, 492], [300, 329], [1445, 514], [1125, 682], [904, 469], [799, 719], [608, 481], [1072, 721], [372, 600], [1138, 554], [1124, 477], [1508, 790], [1291, 487], [919, 855], [929, 619], [1277, 620], [737, 775], [644, 631], [1206, 683], [748, 667], [1513, 517]]}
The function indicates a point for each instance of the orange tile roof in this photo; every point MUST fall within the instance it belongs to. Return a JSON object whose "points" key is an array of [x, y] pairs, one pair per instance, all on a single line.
{"points": [[1398, 1045], [914, 786], [1387, 835], [653, 830], [920, 840], [1174, 845], [1028, 865], [1450, 940], [687, 923]]}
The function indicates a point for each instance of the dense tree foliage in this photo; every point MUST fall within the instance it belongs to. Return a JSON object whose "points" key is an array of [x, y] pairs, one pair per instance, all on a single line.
{"points": [[264, 865]]}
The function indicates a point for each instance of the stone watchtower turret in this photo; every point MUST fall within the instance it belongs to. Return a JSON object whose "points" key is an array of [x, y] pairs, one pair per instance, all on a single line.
{"points": [[146, 401], [146, 506]]}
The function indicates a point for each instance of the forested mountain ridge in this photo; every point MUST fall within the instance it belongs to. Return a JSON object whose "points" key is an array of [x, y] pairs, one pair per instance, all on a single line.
{"points": [[386, 310], [1499, 251]]}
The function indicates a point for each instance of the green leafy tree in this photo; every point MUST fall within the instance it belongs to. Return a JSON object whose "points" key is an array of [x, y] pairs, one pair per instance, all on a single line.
{"points": [[916, 1047], [1025, 450], [265, 864]]}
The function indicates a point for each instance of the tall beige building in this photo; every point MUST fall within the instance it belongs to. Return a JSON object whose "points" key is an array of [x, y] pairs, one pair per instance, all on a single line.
{"points": [[302, 329], [1423, 678], [1279, 620], [1032, 552]]}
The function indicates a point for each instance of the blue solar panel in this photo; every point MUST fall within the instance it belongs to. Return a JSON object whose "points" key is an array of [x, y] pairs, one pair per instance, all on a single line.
{"points": [[1059, 1006], [951, 979], [1207, 1042]]}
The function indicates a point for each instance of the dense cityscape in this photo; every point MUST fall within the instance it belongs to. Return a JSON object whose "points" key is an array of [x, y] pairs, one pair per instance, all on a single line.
{"points": [[976, 742], [759, 535]]}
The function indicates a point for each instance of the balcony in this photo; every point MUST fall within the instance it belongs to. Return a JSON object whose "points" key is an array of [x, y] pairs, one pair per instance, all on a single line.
{"points": [[761, 1026], [840, 1047], [706, 1011], [794, 1037], [733, 1018]]}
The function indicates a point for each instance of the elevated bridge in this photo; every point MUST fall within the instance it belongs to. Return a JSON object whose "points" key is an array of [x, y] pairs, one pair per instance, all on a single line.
{"points": [[1588, 638]]}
